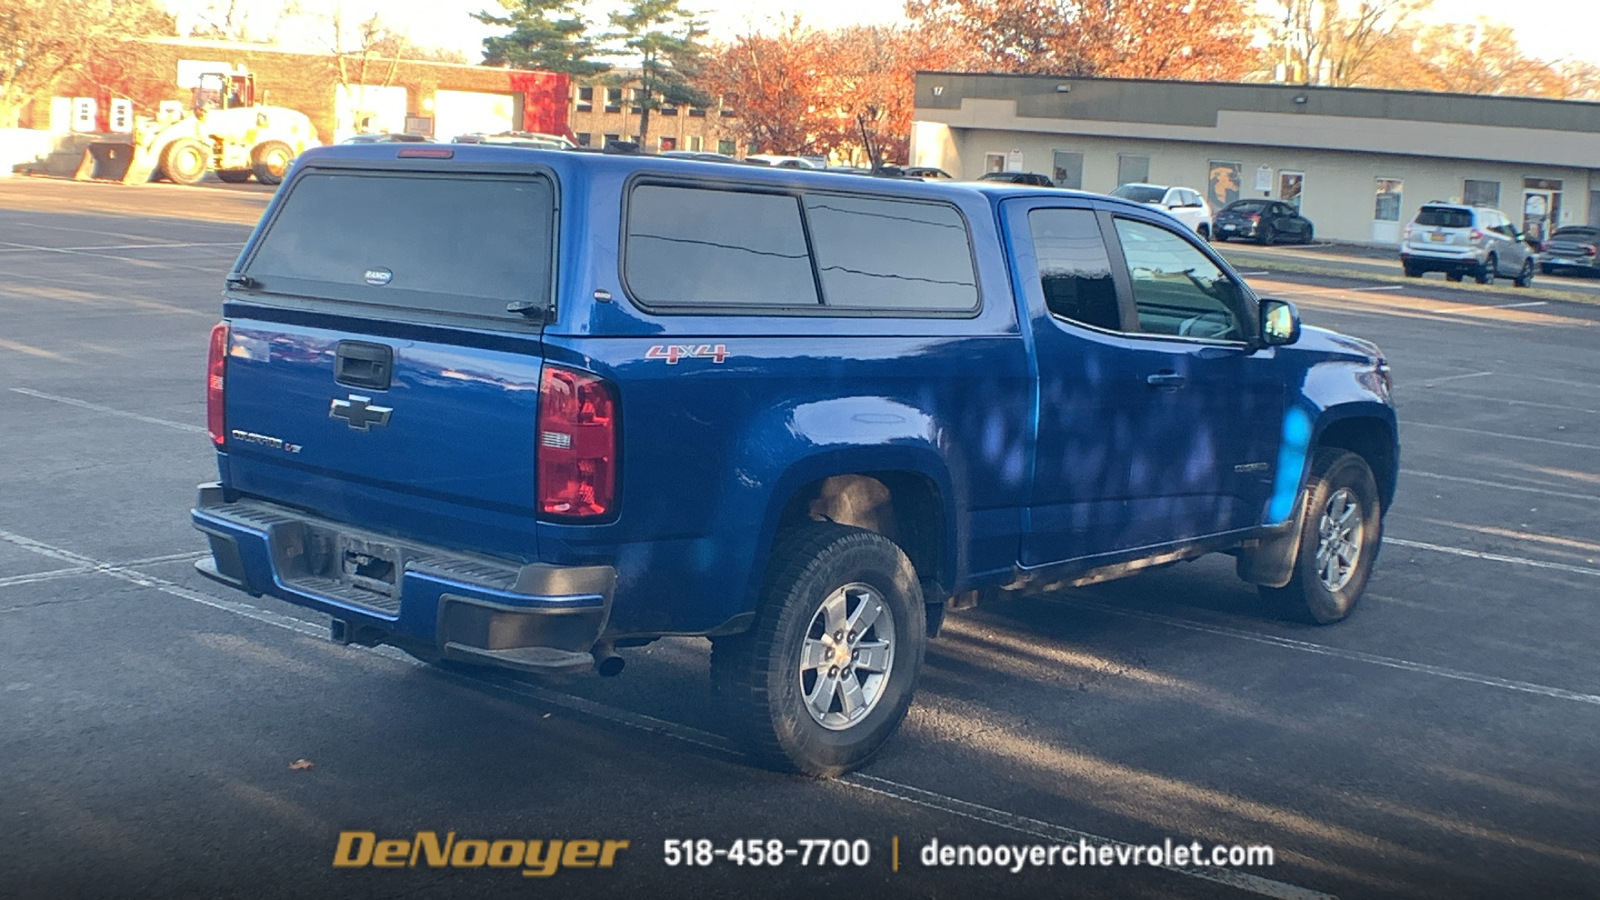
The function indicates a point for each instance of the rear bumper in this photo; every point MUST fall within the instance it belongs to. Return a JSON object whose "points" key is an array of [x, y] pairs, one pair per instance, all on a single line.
{"points": [[1465, 260], [380, 589]]}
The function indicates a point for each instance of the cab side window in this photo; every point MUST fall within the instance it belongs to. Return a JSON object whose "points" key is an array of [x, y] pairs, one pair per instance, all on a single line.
{"points": [[1074, 270], [1176, 288]]}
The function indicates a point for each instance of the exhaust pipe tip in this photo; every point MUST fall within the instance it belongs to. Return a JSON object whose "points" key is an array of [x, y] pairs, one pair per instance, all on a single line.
{"points": [[606, 660]]}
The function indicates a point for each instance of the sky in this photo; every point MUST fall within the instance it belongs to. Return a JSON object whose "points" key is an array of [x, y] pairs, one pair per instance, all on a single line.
{"points": [[1549, 29]]}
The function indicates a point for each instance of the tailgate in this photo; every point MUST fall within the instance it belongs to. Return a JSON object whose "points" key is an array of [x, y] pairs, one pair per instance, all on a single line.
{"points": [[412, 437]]}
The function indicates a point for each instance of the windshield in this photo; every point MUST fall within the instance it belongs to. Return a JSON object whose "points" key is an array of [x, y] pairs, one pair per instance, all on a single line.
{"points": [[1140, 193], [1246, 207]]}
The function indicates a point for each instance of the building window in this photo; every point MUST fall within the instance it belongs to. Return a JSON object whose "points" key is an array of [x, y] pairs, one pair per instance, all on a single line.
{"points": [[726, 148], [1068, 170], [1290, 186], [611, 139], [1132, 169], [1223, 180], [665, 143], [585, 99], [613, 100], [669, 109], [697, 112], [1481, 193], [994, 162], [639, 96], [696, 144], [1386, 205], [583, 138]]}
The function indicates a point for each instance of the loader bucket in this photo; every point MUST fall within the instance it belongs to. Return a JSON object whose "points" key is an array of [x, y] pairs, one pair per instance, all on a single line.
{"points": [[113, 161]]}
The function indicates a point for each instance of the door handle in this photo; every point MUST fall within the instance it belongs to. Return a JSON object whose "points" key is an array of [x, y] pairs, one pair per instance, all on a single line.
{"points": [[1166, 379]]}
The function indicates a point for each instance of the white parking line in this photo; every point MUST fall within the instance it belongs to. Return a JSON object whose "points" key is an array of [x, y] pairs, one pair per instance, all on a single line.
{"points": [[1511, 402], [1378, 287], [1254, 884], [1494, 557], [13, 247], [1389, 662], [1546, 492], [1519, 305], [84, 404], [1430, 382], [54, 574]]}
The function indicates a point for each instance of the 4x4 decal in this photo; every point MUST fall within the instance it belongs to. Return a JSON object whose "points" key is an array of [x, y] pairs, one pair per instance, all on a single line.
{"points": [[673, 352]]}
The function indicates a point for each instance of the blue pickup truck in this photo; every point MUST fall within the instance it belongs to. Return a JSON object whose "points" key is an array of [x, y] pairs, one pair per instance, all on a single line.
{"points": [[523, 408]]}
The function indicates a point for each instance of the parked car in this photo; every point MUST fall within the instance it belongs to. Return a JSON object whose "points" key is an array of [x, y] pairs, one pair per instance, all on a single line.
{"points": [[1572, 250], [787, 162], [928, 172], [1263, 221], [530, 139], [1187, 205], [387, 137], [1030, 178], [520, 409], [699, 156], [1461, 240]]}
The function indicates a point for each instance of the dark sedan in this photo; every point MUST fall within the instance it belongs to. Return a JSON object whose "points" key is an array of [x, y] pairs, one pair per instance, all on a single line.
{"points": [[1032, 178], [1263, 221], [1573, 250]]}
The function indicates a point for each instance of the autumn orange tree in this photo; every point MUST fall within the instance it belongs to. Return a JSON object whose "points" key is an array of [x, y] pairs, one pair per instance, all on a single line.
{"points": [[1193, 40], [773, 81]]}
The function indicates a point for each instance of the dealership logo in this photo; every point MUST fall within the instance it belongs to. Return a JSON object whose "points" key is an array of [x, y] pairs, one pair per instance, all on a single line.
{"points": [[536, 859], [377, 277]]}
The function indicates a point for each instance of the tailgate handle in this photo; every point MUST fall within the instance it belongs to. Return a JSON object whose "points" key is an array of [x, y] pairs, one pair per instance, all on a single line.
{"points": [[363, 365]]}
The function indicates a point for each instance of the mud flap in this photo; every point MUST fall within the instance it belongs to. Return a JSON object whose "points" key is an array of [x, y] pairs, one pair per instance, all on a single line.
{"points": [[1271, 562]]}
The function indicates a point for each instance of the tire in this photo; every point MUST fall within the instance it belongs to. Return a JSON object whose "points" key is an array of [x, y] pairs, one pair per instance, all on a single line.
{"points": [[1453, 276], [185, 160], [1525, 277], [270, 160], [1205, 233], [1341, 530], [1411, 271], [1309, 236], [816, 573], [234, 176], [1491, 268], [1266, 235]]}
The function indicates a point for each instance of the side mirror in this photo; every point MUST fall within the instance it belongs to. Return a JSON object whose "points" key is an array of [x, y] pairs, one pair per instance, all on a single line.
{"points": [[1280, 322]]}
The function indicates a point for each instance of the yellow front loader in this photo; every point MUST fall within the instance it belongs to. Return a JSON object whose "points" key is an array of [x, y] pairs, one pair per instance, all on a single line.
{"points": [[224, 131]]}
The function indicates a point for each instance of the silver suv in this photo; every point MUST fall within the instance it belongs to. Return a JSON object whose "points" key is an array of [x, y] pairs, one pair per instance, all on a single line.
{"points": [[1466, 240]]}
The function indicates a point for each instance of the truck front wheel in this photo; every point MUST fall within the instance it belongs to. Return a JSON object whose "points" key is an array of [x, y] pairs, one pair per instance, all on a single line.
{"points": [[827, 671], [185, 160], [269, 160], [1339, 537]]}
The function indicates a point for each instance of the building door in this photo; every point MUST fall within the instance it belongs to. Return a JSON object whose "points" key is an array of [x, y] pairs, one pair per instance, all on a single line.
{"points": [[1386, 210], [1541, 206]]}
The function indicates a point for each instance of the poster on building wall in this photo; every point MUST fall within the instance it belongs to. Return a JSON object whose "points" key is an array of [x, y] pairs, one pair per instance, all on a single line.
{"points": [[1222, 182]]}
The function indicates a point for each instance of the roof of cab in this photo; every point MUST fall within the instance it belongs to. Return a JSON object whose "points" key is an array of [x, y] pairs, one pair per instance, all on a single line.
{"points": [[619, 163]]}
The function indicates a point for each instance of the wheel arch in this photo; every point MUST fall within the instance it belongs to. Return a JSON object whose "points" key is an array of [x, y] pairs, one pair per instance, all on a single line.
{"points": [[1372, 437]]}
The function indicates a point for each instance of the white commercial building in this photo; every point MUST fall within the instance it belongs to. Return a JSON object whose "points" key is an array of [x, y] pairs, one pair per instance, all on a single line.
{"points": [[1358, 162]]}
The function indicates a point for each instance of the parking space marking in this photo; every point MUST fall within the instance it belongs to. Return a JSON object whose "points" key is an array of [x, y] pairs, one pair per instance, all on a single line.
{"points": [[39, 352], [1377, 287], [1520, 305], [13, 247], [1433, 381], [1547, 492], [1390, 662], [95, 407], [36, 577], [1494, 557], [1532, 403], [905, 793]]}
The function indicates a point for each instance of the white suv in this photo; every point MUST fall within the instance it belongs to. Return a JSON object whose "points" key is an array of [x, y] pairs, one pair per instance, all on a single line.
{"points": [[1463, 240], [1187, 205]]}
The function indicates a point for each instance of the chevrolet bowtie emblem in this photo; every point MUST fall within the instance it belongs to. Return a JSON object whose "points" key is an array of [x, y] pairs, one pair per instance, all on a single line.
{"points": [[359, 412]]}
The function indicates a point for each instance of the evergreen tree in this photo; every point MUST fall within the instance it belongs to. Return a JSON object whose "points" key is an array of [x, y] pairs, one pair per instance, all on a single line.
{"points": [[545, 34], [665, 39]]}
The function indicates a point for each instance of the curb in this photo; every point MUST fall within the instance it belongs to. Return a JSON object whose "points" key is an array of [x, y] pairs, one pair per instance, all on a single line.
{"points": [[1267, 262]]}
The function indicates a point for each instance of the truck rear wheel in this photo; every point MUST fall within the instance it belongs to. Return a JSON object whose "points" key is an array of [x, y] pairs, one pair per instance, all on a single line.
{"points": [[1339, 537], [826, 673], [270, 160], [185, 160], [234, 176]]}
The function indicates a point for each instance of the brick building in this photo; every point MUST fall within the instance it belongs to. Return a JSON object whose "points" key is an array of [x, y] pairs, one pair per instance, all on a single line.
{"points": [[603, 111], [341, 96]]}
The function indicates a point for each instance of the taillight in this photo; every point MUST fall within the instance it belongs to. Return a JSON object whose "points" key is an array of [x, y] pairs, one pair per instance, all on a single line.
{"points": [[1253, 218], [1589, 250], [1477, 235], [577, 451], [216, 366]]}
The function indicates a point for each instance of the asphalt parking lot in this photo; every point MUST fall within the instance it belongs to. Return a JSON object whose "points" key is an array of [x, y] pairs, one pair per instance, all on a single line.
{"points": [[1440, 743]]}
